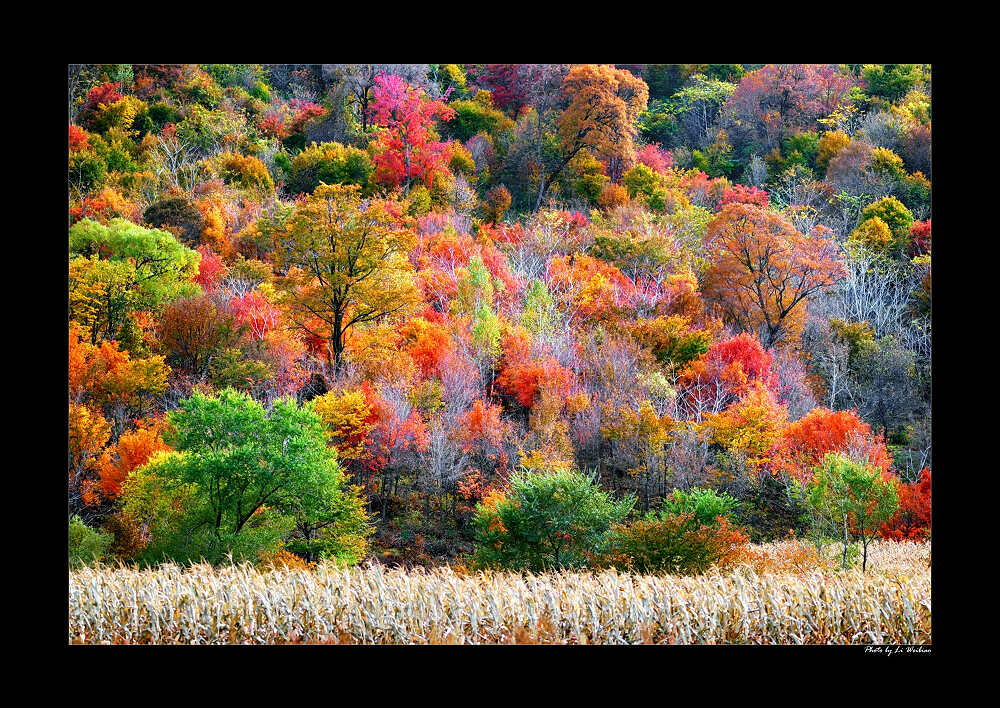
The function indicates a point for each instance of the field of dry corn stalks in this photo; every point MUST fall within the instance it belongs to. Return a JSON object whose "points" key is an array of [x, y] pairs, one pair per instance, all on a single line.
{"points": [[767, 602]]}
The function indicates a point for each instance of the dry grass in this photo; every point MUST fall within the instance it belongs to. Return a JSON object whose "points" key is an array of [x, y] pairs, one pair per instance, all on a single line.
{"points": [[790, 604]]}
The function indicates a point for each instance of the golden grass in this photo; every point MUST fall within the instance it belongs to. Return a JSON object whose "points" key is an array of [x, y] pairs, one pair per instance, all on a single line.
{"points": [[891, 604]]}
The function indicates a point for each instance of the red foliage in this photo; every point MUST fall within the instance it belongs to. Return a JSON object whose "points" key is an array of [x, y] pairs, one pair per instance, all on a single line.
{"points": [[257, 313], [920, 238], [501, 80], [430, 345], [303, 111], [655, 159], [482, 425], [77, 138], [405, 150], [743, 194], [105, 93], [913, 520], [392, 434], [210, 268], [524, 377]]}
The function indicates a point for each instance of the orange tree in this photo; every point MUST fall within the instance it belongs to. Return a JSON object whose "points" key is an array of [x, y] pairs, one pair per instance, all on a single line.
{"points": [[762, 268]]}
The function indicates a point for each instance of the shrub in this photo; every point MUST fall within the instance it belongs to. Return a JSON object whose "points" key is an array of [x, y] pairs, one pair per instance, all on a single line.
{"points": [[705, 504], [86, 545], [180, 214], [496, 204], [546, 520], [674, 543], [330, 163], [897, 217], [612, 195]]}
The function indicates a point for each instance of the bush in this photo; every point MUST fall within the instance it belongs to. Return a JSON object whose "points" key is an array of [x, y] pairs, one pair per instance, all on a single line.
{"points": [[546, 520], [705, 504], [674, 543], [897, 217], [330, 163], [768, 512], [86, 545], [179, 213], [612, 195], [496, 204]]}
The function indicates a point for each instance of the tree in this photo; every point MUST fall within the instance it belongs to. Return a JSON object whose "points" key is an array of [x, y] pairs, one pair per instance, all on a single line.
{"points": [[194, 330], [346, 263], [854, 497], [780, 98], [360, 80], [120, 268], [241, 480], [763, 268], [603, 106], [913, 519], [545, 521], [86, 545], [406, 148], [698, 104]]}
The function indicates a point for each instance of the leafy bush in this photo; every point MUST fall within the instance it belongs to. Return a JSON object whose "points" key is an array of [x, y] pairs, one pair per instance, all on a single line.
{"points": [[330, 163], [705, 504], [674, 543], [86, 545], [546, 520]]}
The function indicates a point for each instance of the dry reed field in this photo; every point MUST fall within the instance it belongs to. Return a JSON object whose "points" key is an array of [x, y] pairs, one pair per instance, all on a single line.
{"points": [[770, 599]]}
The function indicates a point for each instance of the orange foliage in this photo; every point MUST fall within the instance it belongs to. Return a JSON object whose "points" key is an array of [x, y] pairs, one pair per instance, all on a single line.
{"points": [[133, 450], [805, 442], [428, 343], [482, 423], [523, 377]]}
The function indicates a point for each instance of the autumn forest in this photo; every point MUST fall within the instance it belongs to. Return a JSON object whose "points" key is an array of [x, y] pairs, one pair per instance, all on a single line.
{"points": [[667, 320]]}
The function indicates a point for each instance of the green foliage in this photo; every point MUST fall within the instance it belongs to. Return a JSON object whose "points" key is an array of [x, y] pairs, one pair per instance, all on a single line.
{"points": [[86, 545], [768, 511], [670, 544], [852, 497], [539, 315], [329, 163], [232, 369], [547, 520], [242, 480], [476, 116], [657, 124], [120, 268], [706, 505], [161, 113], [486, 332], [892, 81]]}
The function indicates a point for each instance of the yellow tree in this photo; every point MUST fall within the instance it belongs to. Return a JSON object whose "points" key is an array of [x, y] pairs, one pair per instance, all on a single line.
{"points": [[346, 263]]}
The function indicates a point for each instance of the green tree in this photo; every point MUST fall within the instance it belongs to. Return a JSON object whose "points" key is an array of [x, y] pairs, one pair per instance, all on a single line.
{"points": [[546, 520], [117, 269], [242, 480], [853, 497]]}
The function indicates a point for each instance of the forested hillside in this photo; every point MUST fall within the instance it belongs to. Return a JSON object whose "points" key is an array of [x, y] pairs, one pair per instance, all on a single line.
{"points": [[497, 315]]}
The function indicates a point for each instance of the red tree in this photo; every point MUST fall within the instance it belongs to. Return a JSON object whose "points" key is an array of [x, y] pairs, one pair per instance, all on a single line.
{"points": [[406, 149]]}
